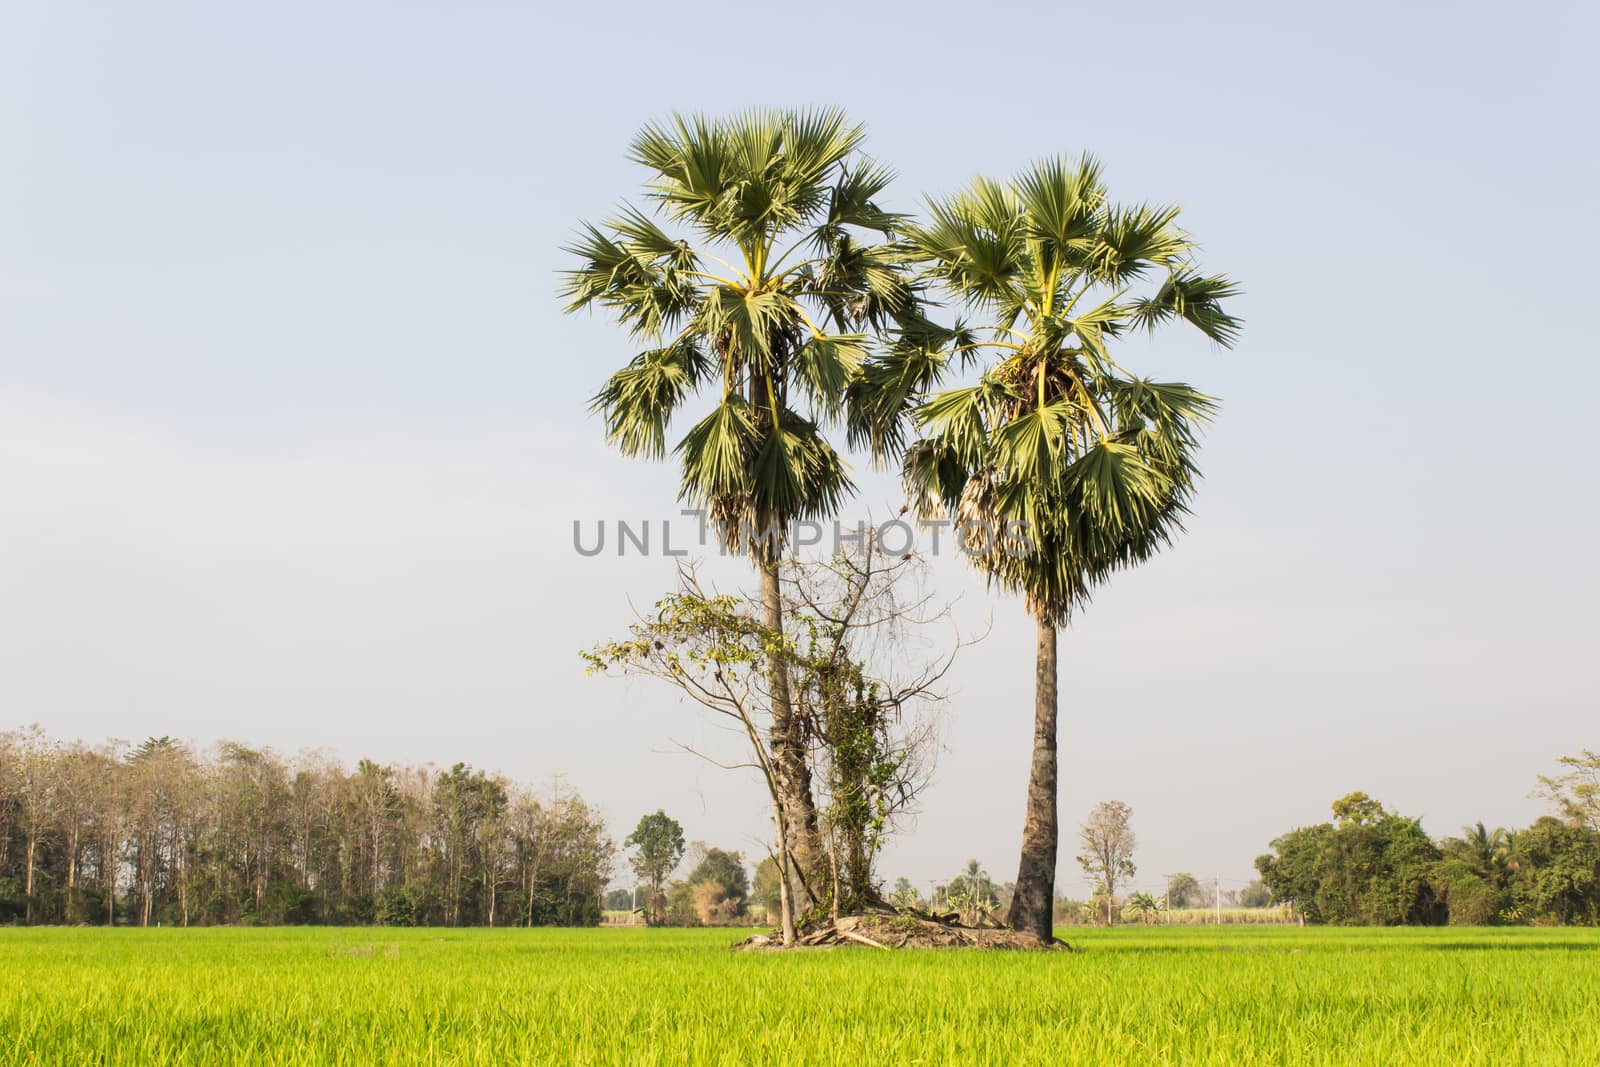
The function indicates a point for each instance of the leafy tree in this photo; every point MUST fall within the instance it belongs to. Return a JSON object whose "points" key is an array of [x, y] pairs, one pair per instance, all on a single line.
{"points": [[1357, 809], [1107, 841], [854, 697], [1470, 898], [765, 890], [762, 308], [1558, 873], [1059, 465], [1183, 891], [1576, 793], [466, 803], [1255, 895], [723, 869], [658, 847], [713, 894], [1370, 867]]}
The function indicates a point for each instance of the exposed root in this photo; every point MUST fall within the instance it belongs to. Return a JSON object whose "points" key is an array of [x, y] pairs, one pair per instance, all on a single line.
{"points": [[891, 930]]}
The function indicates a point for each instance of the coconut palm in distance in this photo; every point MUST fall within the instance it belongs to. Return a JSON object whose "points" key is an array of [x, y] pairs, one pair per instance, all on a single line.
{"points": [[768, 307], [1065, 466]]}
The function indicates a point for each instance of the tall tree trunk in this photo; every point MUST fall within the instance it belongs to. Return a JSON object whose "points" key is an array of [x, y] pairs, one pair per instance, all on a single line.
{"points": [[1034, 900], [72, 872], [791, 773], [28, 884]]}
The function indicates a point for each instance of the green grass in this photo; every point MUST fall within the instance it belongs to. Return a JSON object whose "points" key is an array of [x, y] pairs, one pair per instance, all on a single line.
{"points": [[1132, 995]]}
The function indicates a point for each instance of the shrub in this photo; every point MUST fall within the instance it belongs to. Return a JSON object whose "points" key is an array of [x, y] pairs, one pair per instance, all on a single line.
{"points": [[399, 905]]}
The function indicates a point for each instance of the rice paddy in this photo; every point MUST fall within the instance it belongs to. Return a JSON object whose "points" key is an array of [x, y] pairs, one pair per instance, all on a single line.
{"points": [[1145, 995]]}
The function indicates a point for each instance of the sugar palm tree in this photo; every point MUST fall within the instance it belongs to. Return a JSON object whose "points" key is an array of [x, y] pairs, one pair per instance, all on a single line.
{"points": [[1062, 466], [765, 299]]}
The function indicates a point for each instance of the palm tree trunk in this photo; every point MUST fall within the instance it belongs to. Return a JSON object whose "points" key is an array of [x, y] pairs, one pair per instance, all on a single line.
{"points": [[791, 774], [1032, 904]]}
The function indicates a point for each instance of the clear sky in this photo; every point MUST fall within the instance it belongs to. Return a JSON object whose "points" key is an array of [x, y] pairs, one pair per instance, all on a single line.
{"points": [[293, 432]]}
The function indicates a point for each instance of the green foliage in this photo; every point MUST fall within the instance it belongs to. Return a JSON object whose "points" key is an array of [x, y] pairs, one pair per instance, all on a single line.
{"points": [[766, 889], [1074, 467], [400, 905], [724, 870], [971, 894], [658, 847], [1577, 792], [13, 901], [286, 902], [1357, 809], [1373, 867], [1183, 890], [1370, 868], [1557, 873], [765, 302], [905, 895], [1142, 907], [1470, 899]]}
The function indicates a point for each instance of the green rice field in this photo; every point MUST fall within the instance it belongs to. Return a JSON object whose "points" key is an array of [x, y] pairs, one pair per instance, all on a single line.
{"points": [[1129, 995]]}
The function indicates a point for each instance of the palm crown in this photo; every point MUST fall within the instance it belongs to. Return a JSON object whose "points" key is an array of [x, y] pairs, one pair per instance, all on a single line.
{"points": [[1072, 466], [791, 260]]}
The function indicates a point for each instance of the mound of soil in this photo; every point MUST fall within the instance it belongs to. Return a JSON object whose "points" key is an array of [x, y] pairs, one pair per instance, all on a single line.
{"points": [[892, 930]]}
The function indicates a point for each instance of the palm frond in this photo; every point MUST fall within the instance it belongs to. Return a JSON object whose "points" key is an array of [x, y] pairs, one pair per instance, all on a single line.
{"points": [[638, 401]]}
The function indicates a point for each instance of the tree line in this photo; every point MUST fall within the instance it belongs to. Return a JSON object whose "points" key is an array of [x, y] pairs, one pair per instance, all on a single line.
{"points": [[158, 833], [1371, 866]]}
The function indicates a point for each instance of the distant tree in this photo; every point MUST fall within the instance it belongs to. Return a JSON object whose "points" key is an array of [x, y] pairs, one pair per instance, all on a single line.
{"points": [[1255, 895], [1558, 873], [1183, 891], [1107, 841], [658, 847], [36, 764], [973, 879], [1489, 854], [1143, 907], [1370, 867], [971, 893], [619, 900], [1357, 809], [723, 869], [1470, 897], [766, 891], [1577, 793], [905, 894], [163, 834], [400, 905]]}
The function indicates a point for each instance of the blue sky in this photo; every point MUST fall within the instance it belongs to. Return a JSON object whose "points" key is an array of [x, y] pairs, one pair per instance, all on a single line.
{"points": [[292, 430]]}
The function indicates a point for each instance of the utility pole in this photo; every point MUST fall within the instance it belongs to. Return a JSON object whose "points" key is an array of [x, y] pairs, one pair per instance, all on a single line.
{"points": [[1219, 900]]}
